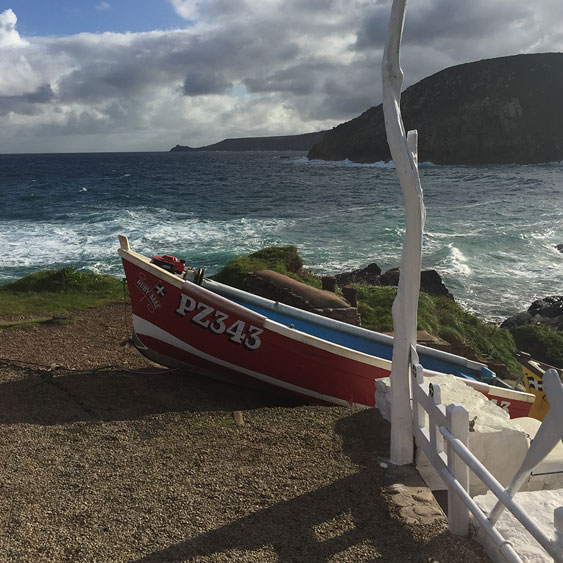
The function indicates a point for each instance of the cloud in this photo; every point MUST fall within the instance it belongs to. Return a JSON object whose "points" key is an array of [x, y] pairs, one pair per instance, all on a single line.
{"points": [[187, 9], [240, 68], [103, 6], [198, 83], [9, 37]]}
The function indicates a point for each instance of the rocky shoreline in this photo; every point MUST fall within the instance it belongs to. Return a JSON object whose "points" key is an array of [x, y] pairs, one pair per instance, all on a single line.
{"points": [[544, 312]]}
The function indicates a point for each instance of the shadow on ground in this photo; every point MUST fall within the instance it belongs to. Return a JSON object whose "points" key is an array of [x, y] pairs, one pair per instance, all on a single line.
{"points": [[347, 520], [344, 516], [43, 397]]}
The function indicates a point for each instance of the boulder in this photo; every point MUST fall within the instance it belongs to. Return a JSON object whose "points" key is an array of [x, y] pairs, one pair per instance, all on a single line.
{"points": [[430, 282], [390, 277], [546, 312], [559, 247], [547, 307], [368, 275], [277, 287], [519, 319]]}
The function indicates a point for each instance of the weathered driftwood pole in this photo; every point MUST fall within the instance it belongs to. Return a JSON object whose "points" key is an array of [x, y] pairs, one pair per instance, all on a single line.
{"points": [[404, 154]]}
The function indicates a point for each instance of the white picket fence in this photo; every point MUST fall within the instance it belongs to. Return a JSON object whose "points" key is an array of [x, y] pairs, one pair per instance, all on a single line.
{"points": [[441, 432]]}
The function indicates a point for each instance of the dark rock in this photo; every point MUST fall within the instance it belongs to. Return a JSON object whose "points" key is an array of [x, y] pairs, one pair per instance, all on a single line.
{"points": [[545, 312], [430, 282], [368, 275], [547, 307], [492, 111], [390, 277], [559, 247], [520, 319]]}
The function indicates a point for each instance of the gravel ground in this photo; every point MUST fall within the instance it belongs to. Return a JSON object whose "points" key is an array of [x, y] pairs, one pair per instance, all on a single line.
{"points": [[107, 457]]}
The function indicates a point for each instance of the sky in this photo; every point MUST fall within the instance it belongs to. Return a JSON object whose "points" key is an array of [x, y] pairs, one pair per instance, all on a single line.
{"points": [[145, 75]]}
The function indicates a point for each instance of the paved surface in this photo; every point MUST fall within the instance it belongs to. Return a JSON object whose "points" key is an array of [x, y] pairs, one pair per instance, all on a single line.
{"points": [[414, 500]]}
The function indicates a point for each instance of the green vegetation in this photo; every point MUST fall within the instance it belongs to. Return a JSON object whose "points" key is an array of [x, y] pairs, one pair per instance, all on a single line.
{"points": [[374, 306], [283, 259], [543, 343], [58, 291], [443, 318]]}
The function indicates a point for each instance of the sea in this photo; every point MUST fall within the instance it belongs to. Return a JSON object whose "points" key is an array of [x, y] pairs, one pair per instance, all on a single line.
{"points": [[491, 231]]}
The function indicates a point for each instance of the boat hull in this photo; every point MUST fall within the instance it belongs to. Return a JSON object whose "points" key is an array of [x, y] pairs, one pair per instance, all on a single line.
{"points": [[179, 323], [191, 326]]}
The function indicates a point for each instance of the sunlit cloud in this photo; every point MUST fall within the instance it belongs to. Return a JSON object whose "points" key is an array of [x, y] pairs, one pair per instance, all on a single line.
{"points": [[9, 37]]}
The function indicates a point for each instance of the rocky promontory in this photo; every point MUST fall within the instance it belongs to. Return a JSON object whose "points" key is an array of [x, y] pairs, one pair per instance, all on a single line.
{"points": [[494, 111], [542, 312], [279, 143]]}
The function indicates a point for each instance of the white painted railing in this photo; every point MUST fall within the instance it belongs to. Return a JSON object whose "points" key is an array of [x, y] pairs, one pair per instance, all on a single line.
{"points": [[442, 433]]}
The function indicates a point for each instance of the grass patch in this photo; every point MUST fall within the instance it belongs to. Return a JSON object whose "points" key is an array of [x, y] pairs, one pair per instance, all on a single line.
{"points": [[443, 318], [374, 305], [59, 291], [282, 259], [543, 343]]}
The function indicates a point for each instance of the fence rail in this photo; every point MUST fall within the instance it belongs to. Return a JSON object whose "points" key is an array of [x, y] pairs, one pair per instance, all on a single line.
{"points": [[442, 434]]}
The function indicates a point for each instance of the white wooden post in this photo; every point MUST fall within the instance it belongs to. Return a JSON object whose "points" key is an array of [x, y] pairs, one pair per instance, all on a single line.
{"points": [[458, 515], [404, 155]]}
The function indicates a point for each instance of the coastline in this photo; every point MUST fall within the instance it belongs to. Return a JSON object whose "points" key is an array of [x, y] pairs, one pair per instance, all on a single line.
{"points": [[109, 457]]}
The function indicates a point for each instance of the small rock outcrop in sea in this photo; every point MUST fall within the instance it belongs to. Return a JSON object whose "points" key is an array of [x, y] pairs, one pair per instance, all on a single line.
{"points": [[494, 111], [559, 247], [546, 312], [430, 280]]}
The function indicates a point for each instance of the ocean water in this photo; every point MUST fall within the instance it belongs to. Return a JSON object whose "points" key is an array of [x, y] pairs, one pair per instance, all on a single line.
{"points": [[490, 231]]}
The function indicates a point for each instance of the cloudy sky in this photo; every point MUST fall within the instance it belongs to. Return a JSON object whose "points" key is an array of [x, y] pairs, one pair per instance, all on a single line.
{"points": [[128, 75]]}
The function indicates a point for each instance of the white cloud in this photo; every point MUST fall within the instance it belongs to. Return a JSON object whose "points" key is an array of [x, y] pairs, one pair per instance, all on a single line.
{"points": [[103, 6], [9, 37], [187, 9], [254, 67]]}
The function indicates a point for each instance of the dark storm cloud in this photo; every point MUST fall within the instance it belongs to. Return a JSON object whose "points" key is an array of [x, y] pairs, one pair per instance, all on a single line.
{"points": [[199, 83], [26, 104], [439, 20]]}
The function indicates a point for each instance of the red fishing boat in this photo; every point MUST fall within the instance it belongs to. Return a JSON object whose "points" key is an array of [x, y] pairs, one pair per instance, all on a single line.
{"points": [[226, 333]]}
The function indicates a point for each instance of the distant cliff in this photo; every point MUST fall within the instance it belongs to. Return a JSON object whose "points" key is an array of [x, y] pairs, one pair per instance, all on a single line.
{"points": [[282, 143], [504, 110]]}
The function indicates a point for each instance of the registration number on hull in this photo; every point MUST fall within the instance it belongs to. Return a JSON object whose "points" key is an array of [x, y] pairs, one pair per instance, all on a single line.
{"points": [[218, 322]]}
